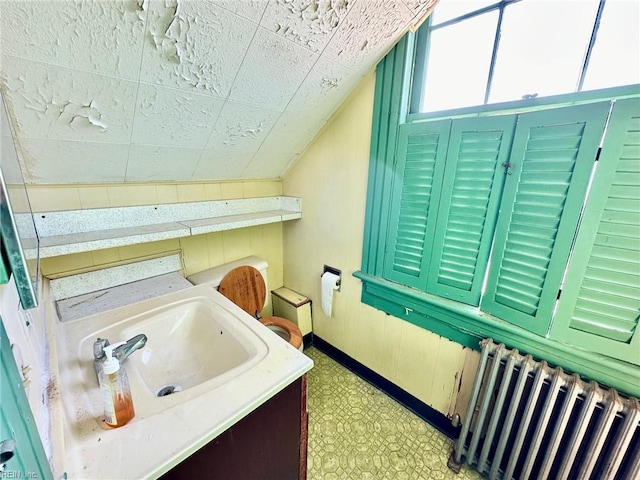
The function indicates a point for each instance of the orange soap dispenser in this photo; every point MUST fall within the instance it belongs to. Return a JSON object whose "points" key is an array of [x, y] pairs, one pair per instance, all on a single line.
{"points": [[116, 393]]}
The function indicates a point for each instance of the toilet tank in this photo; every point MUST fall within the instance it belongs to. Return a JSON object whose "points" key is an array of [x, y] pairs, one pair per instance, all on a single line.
{"points": [[213, 276]]}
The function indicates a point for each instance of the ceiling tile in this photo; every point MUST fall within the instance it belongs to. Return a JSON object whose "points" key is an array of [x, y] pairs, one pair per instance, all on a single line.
{"points": [[291, 134], [249, 9], [170, 117], [217, 164], [241, 127], [272, 71], [102, 37], [306, 22], [56, 102], [148, 163], [371, 27], [11, 169], [199, 89], [323, 90], [61, 161], [269, 164], [9, 161], [5, 127], [195, 46], [419, 7]]}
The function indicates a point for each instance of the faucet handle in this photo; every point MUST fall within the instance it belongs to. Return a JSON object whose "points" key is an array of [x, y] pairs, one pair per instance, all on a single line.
{"points": [[98, 348]]}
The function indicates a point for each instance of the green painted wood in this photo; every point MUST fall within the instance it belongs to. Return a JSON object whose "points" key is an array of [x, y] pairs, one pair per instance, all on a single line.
{"points": [[419, 168], [452, 319], [17, 422], [553, 155], [600, 304], [532, 104], [465, 325], [468, 207], [379, 136], [4, 273], [390, 109], [420, 60]]}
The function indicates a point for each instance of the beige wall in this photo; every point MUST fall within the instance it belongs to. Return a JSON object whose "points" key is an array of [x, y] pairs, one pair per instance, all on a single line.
{"points": [[331, 179]]}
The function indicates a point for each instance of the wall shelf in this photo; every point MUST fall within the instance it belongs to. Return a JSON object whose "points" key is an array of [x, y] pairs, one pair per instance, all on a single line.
{"points": [[75, 231]]}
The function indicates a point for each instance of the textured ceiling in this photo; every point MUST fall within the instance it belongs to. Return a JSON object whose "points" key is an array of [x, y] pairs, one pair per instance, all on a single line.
{"points": [[179, 90]]}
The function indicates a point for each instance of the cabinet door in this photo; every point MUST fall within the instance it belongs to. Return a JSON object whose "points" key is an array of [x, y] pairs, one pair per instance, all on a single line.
{"points": [[268, 444], [17, 422]]}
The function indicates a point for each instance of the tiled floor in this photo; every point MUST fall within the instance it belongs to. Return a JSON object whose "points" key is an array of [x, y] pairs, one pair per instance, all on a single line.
{"points": [[356, 432]]}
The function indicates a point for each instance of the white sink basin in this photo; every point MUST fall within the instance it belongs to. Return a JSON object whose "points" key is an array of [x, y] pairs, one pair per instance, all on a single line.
{"points": [[188, 342], [195, 343]]}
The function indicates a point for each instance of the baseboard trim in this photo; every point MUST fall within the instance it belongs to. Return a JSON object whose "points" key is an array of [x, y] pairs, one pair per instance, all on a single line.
{"points": [[307, 340], [417, 406]]}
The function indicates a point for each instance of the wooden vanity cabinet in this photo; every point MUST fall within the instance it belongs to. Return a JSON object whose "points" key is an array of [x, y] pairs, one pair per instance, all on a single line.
{"points": [[268, 444]]}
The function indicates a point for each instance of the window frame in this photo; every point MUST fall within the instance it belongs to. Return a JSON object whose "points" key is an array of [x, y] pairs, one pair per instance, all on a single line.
{"points": [[421, 60], [458, 322]]}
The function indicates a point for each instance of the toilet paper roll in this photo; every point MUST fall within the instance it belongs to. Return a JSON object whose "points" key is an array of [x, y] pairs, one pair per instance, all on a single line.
{"points": [[329, 285]]}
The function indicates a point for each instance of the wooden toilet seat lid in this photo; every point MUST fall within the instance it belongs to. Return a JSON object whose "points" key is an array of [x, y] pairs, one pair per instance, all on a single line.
{"points": [[245, 287]]}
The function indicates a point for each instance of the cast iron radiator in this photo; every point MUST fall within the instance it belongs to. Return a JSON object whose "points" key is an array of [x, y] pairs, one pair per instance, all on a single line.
{"points": [[527, 420]]}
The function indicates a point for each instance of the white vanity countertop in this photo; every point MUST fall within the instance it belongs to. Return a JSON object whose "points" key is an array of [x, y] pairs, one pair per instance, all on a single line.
{"points": [[156, 439]]}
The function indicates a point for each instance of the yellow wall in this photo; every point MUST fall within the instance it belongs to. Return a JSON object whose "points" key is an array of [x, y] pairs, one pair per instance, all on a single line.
{"points": [[199, 252], [331, 179], [46, 198]]}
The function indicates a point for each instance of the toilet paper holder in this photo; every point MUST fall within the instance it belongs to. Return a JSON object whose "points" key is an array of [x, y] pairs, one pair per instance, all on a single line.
{"points": [[335, 271]]}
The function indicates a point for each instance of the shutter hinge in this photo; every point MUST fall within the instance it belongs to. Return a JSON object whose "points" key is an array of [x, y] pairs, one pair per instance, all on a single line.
{"points": [[598, 154], [507, 166], [559, 293]]}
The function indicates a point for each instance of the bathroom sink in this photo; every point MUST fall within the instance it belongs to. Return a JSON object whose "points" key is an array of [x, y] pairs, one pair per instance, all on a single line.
{"points": [[197, 341], [188, 343], [206, 364]]}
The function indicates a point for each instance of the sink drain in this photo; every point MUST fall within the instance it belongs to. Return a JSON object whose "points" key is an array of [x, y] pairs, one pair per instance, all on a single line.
{"points": [[164, 391]]}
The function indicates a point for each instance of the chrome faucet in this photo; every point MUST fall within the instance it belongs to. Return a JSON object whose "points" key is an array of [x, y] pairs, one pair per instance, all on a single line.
{"points": [[121, 353]]}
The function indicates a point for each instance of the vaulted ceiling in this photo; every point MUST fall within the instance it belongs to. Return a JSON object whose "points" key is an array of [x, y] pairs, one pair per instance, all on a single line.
{"points": [[183, 90]]}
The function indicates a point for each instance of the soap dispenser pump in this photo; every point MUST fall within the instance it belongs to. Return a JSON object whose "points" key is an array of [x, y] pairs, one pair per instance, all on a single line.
{"points": [[116, 394]]}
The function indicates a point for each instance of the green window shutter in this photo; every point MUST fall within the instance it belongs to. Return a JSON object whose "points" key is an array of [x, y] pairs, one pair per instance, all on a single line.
{"points": [[4, 275], [390, 100], [600, 301], [17, 422], [420, 160], [553, 155], [473, 180]]}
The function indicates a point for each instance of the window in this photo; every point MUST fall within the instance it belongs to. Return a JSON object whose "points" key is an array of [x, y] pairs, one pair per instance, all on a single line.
{"points": [[520, 222], [490, 52]]}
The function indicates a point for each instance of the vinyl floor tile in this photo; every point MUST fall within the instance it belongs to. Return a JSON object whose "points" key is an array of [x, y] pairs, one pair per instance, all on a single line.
{"points": [[356, 432]]}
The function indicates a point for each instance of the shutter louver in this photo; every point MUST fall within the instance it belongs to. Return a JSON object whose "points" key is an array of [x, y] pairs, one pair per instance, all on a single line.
{"points": [[553, 155], [600, 304], [473, 182], [420, 161]]}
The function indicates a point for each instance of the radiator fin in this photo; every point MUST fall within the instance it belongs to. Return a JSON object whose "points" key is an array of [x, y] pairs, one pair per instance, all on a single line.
{"points": [[527, 420]]}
